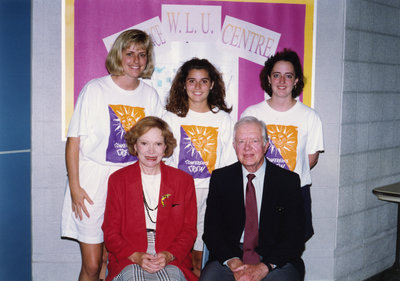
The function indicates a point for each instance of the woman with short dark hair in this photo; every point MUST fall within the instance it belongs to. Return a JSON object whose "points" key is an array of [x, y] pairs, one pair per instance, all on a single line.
{"points": [[294, 129], [150, 217]]}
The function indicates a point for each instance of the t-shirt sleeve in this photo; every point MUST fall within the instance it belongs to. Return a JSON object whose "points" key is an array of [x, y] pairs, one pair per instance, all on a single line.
{"points": [[78, 125], [246, 112], [315, 141], [157, 108], [228, 155], [169, 118]]}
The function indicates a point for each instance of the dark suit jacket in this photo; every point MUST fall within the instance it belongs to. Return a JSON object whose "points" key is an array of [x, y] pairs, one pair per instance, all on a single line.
{"points": [[281, 227]]}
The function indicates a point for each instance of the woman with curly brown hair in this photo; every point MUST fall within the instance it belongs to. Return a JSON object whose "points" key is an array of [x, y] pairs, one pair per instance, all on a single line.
{"points": [[294, 129], [200, 120]]}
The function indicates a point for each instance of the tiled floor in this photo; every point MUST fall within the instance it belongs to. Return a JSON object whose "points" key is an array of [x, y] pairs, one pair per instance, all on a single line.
{"points": [[388, 275]]}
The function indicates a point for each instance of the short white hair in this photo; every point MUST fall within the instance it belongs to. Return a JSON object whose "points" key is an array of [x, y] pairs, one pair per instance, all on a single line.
{"points": [[253, 120]]}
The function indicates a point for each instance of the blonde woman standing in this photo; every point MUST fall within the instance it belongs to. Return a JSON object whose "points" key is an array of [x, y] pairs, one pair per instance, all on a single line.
{"points": [[107, 107]]}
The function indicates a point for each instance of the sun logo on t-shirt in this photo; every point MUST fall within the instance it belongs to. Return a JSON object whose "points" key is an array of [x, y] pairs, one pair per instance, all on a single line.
{"points": [[284, 139], [128, 115], [203, 140], [122, 118]]}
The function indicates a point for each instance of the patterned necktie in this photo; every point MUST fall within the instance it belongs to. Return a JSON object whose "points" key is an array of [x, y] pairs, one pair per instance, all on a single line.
{"points": [[250, 256]]}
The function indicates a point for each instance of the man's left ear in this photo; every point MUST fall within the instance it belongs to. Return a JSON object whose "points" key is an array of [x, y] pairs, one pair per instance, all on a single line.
{"points": [[266, 147]]}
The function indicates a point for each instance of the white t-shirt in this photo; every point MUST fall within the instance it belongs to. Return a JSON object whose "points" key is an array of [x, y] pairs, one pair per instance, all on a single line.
{"points": [[204, 143], [293, 134], [103, 114]]}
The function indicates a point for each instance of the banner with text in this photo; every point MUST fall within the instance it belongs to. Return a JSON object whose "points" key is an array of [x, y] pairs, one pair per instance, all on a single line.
{"points": [[236, 36]]}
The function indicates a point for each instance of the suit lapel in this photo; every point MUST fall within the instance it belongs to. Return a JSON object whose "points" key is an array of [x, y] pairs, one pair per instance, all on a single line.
{"points": [[237, 191], [266, 197]]}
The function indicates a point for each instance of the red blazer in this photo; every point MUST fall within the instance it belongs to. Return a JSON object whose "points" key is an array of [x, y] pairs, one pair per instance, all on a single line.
{"points": [[124, 223]]}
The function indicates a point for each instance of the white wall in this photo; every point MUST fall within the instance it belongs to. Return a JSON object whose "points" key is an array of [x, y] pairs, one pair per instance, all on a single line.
{"points": [[356, 96]]}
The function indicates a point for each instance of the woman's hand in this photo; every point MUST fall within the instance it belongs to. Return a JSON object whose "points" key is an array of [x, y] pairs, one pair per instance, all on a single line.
{"points": [[146, 261], [164, 258], [78, 197], [78, 194], [151, 263]]}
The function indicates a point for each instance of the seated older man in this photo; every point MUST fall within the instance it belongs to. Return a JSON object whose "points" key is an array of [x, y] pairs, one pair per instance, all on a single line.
{"points": [[254, 223]]}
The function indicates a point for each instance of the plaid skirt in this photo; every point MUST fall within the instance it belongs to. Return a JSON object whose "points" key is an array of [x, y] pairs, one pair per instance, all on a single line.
{"points": [[134, 272]]}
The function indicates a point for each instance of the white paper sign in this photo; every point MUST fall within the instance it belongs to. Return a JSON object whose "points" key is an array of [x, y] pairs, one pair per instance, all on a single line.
{"points": [[248, 40], [192, 23]]}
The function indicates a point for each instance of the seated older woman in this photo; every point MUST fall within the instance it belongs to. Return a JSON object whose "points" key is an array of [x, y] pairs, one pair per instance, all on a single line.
{"points": [[150, 217]]}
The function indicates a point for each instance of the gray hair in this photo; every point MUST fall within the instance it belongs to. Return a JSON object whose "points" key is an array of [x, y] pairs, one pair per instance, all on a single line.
{"points": [[254, 120]]}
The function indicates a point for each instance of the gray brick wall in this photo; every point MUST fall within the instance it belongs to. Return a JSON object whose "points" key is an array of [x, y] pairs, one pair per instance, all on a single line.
{"points": [[370, 143]]}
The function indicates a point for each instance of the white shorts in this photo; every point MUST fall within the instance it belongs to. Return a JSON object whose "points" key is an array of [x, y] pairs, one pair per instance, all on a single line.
{"points": [[94, 179]]}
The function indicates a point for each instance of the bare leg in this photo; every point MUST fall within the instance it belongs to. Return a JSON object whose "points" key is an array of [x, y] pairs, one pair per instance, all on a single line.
{"points": [[92, 255], [104, 265], [196, 260]]}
